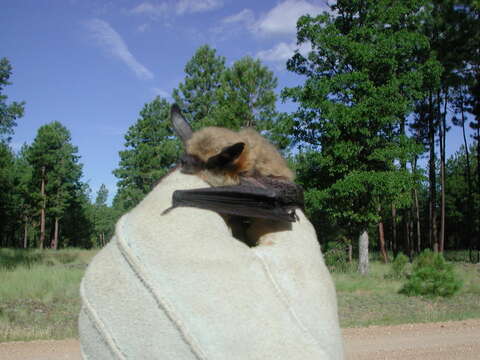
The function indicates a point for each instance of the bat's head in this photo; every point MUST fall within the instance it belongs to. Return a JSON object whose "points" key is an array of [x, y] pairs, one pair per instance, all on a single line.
{"points": [[216, 154]]}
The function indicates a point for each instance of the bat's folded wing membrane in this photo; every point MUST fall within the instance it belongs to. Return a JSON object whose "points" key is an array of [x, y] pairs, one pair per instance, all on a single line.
{"points": [[240, 200]]}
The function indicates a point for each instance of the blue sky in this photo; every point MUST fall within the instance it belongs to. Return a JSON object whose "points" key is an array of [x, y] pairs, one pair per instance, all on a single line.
{"points": [[93, 64]]}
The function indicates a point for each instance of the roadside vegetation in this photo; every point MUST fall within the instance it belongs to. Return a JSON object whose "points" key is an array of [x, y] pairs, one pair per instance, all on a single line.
{"points": [[376, 299], [39, 296]]}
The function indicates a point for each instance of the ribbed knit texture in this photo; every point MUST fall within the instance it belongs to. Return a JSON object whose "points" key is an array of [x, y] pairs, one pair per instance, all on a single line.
{"points": [[178, 286]]}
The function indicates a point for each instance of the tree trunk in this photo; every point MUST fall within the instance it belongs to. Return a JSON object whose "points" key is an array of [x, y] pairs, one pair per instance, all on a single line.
{"points": [[54, 244], [442, 135], [470, 218], [381, 238], [394, 231], [350, 253], [363, 253], [25, 234], [477, 211], [417, 220], [404, 240], [433, 237], [406, 248], [42, 211], [416, 209]]}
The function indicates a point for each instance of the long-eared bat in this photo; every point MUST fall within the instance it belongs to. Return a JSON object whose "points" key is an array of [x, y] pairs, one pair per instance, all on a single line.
{"points": [[249, 177]]}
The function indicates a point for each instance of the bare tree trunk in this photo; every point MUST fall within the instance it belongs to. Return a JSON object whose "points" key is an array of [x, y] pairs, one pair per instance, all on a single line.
{"points": [[433, 236], [381, 238], [25, 234], [42, 211], [350, 253], [442, 136], [417, 209], [406, 247], [477, 210], [404, 240], [363, 253], [394, 231], [54, 244], [470, 219], [417, 219]]}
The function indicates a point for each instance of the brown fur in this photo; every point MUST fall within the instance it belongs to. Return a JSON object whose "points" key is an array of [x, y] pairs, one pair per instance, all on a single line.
{"points": [[258, 156]]}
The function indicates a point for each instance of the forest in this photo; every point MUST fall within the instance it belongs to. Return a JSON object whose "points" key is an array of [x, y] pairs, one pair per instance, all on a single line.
{"points": [[382, 84]]}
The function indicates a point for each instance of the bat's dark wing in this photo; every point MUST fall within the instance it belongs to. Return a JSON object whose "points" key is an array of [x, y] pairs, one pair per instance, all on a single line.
{"points": [[266, 197]]}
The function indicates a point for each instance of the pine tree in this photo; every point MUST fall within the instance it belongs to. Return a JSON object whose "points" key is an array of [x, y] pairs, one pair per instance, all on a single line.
{"points": [[246, 96], [56, 174], [362, 77], [103, 218], [11, 112], [151, 150], [197, 95]]}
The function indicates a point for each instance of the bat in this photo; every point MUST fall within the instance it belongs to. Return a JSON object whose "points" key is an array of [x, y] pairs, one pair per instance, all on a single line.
{"points": [[249, 177]]}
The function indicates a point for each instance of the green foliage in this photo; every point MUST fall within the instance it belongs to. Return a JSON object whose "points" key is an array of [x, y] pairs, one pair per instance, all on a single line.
{"points": [[362, 77], [103, 218], [54, 160], [6, 185], [246, 96], [9, 113], [102, 196], [151, 150], [432, 276], [197, 95], [461, 199], [399, 267], [242, 95], [336, 258]]}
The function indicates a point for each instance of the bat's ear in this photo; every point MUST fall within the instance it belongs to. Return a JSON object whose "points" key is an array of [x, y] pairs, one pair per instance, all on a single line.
{"points": [[181, 127], [226, 157]]}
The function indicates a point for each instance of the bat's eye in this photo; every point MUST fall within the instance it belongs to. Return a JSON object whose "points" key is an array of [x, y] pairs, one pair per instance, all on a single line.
{"points": [[190, 164]]}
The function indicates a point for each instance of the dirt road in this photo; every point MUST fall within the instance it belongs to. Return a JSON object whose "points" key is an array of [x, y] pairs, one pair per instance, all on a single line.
{"points": [[450, 340]]}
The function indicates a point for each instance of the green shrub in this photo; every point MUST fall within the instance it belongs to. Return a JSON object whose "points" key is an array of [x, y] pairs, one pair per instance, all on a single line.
{"points": [[431, 276], [336, 258], [398, 268]]}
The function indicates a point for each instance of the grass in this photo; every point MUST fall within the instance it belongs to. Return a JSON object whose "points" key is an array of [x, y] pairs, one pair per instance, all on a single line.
{"points": [[39, 295], [374, 300]]}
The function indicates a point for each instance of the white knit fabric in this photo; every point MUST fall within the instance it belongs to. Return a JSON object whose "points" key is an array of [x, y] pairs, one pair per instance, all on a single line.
{"points": [[179, 286]]}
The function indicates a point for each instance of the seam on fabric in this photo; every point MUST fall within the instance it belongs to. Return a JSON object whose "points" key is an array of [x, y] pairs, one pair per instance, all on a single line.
{"points": [[283, 298], [162, 303], [100, 326]]}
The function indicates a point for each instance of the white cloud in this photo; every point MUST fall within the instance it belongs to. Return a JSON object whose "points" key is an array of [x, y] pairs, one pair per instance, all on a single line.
{"points": [[111, 42], [195, 6], [234, 24], [245, 16], [279, 52], [160, 9], [282, 52], [152, 10], [282, 19]]}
